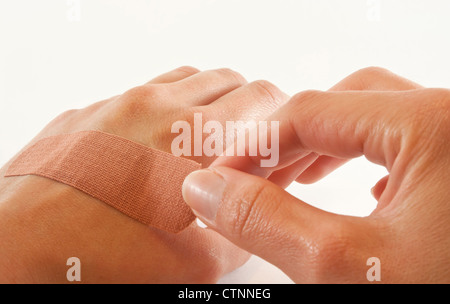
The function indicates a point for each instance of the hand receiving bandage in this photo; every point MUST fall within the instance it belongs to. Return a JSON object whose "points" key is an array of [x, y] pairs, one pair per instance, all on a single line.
{"points": [[44, 222]]}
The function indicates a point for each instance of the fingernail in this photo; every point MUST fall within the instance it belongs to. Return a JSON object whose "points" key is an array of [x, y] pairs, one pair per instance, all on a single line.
{"points": [[203, 191]]}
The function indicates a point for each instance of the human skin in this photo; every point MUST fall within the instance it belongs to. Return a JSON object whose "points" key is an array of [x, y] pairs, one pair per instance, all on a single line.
{"points": [[392, 122], [43, 222]]}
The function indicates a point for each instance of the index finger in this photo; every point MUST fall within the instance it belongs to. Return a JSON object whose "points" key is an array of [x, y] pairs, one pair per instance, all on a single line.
{"points": [[339, 124], [366, 79]]}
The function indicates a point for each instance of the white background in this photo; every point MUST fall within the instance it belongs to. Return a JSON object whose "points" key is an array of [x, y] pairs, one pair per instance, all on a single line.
{"points": [[58, 54]]}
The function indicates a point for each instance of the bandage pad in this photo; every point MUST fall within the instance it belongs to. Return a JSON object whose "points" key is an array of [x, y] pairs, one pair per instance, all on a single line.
{"points": [[139, 181]]}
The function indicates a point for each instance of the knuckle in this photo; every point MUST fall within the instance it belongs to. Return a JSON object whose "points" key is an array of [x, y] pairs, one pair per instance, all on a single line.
{"points": [[231, 74], [64, 117], [363, 78], [266, 88], [252, 211], [188, 70], [67, 114], [303, 99], [372, 71], [136, 101], [143, 91]]}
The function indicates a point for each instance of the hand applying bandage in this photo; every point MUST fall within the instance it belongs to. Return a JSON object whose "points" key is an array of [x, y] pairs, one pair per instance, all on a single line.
{"points": [[392, 122]]}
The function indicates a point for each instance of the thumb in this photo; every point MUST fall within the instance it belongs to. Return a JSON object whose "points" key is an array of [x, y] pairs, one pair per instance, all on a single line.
{"points": [[263, 219]]}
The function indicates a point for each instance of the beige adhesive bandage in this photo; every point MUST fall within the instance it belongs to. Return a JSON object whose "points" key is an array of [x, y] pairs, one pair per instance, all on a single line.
{"points": [[139, 181]]}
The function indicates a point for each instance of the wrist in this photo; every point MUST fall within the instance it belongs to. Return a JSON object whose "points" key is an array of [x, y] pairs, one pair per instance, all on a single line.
{"points": [[30, 252]]}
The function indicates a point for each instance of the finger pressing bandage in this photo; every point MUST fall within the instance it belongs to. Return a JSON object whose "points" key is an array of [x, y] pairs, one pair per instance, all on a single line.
{"points": [[139, 181]]}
